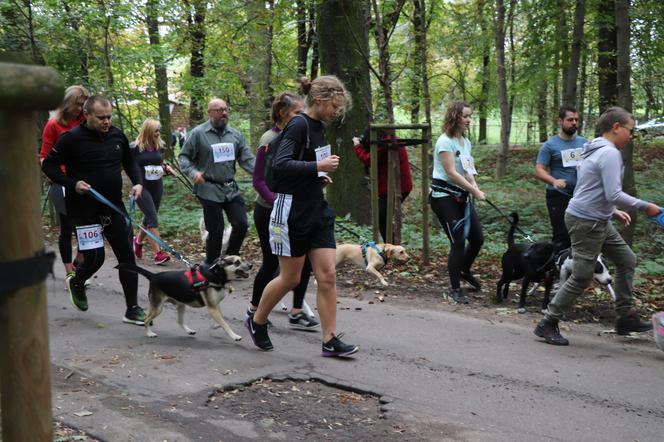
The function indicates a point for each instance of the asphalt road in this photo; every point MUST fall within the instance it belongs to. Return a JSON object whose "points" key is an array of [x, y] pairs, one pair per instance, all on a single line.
{"points": [[448, 374]]}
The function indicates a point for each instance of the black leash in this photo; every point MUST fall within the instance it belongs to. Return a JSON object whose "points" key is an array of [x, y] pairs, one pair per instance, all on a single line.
{"points": [[509, 220]]}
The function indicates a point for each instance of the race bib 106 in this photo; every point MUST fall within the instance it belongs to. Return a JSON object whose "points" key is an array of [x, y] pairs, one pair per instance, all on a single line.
{"points": [[571, 157], [89, 237], [321, 154], [223, 152], [153, 173]]}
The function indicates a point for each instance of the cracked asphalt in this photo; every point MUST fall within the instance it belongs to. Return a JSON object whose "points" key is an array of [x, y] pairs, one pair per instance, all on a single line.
{"points": [[435, 374]]}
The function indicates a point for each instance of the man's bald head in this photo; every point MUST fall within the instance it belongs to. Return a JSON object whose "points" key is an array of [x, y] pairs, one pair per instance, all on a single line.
{"points": [[218, 113]]}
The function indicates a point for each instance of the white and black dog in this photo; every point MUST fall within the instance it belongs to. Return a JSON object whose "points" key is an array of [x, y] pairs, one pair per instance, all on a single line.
{"points": [[201, 286], [565, 262]]}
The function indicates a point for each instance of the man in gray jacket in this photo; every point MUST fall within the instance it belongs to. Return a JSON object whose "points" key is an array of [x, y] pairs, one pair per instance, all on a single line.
{"points": [[588, 220], [208, 157]]}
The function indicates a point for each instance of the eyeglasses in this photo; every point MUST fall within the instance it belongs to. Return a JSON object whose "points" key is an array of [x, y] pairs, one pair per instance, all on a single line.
{"points": [[631, 130], [220, 109]]}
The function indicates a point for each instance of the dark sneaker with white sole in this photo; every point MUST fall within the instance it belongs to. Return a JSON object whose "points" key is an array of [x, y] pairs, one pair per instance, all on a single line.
{"points": [[470, 279], [258, 334], [458, 296], [549, 330], [77, 293], [632, 323], [301, 321], [134, 315], [335, 347]]}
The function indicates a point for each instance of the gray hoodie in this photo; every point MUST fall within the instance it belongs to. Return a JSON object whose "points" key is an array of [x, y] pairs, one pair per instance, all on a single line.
{"points": [[599, 183]]}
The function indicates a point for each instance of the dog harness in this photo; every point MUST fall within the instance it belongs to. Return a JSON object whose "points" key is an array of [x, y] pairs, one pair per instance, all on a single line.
{"points": [[196, 280], [373, 245]]}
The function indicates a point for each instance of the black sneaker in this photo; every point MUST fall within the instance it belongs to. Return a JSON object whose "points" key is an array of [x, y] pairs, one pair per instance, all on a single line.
{"points": [[301, 321], [458, 296], [258, 334], [335, 347], [250, 314], [134, 315], [77, 293], [632, 323], [549, 330], [470, 279]]}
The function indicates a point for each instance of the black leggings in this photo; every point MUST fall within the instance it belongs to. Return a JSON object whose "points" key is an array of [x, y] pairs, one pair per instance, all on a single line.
{"points": [[118, 236], [449, 211], [270, 266], [64, 240], [214, 223], [556, 204]]}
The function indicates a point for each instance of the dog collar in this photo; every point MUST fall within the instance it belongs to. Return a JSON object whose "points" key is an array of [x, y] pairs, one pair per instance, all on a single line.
{"points": [[373, 245]]}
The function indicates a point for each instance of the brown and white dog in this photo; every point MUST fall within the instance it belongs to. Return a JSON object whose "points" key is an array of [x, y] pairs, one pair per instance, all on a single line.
{"points": [[200, 287], [375, 259]]}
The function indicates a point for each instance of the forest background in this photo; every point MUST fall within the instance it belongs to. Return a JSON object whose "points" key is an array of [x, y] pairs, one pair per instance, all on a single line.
{"points": [[514, 61]]}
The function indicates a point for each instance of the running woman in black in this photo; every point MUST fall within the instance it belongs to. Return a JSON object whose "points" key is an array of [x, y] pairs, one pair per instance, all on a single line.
{"points": [[451, 188], [284, 107], [150, 159], [301, 223]]}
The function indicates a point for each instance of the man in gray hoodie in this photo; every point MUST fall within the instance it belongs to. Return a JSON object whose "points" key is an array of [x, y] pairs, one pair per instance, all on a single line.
{"points": [[597, 196]]}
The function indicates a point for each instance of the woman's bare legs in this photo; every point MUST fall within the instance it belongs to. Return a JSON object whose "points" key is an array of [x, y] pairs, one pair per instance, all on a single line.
{"points": [[290, 269], [323, 262]]}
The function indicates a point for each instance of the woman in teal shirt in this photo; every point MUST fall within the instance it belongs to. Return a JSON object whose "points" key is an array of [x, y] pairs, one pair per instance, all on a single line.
{"points": [[452, 186]]}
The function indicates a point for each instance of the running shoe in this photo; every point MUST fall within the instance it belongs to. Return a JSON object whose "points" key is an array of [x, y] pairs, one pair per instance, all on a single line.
{"points": [[134, 315], [76, 292], [250, 314], [335, 347], [258, 334], [161, 257], [138, 247], [301, 321], [458, 296], [470, 279]]}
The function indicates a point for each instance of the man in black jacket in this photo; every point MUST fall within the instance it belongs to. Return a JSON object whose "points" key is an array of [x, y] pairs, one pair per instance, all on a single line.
{"points": [[94, 155]]}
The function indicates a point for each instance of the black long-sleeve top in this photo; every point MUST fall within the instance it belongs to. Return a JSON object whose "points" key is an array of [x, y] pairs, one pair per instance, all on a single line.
{"points": [[299, 177], [93, 157]]}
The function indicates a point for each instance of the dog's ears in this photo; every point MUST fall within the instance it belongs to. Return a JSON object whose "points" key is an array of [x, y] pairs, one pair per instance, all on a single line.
{"points": [[389, 252]]}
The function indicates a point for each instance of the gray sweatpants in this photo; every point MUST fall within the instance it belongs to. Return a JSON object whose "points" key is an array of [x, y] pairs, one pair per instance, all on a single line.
{"points": [[589, 238]]}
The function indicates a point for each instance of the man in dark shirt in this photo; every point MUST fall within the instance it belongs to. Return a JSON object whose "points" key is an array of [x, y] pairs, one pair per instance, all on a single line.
{"points": [[94, 155]]}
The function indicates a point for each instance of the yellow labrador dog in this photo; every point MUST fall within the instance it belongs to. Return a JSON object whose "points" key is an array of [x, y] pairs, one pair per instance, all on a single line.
{"points": [[370, 256]]}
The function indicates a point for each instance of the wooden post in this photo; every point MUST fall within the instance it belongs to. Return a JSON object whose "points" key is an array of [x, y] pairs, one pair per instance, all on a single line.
{"points": [[25, 365], [426, 149]]}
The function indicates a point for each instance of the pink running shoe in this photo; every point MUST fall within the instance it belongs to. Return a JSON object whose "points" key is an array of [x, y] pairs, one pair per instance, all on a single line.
{"points": [[138, 248], [160, 257], [658, 329]]}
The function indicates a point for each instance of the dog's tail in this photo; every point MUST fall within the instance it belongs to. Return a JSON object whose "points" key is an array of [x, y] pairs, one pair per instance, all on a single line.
{"points": [[135, 269], [510, 233]]}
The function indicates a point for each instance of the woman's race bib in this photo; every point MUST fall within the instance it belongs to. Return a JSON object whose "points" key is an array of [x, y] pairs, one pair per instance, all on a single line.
{"points": [[468, 164], [153, 173], [89, 237], [321, 154], [223, 152], [571, 157]]}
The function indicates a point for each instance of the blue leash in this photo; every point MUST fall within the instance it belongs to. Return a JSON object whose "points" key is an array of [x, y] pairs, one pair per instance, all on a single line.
{"points": [[132, 207], [465, 221]]}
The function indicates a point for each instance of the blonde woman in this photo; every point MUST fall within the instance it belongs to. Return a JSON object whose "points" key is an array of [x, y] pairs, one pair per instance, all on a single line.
{"points": [[301, 223], [150, 159], [67, 116]]}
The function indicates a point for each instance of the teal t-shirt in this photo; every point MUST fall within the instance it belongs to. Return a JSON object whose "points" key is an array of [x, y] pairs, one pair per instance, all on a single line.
{"points": [[447, 144]]}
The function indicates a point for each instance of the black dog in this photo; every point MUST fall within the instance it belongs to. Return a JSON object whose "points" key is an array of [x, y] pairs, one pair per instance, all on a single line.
{"points": [[201, 286], [533, 262]]}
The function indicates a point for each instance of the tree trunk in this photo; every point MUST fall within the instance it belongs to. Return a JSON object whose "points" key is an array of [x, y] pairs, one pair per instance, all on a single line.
{"points": [[501, 164], [81, 48], [161, 77], [259, 83], [196, 12], [486, 74], [419, 33], [302, 41], [582, 90], [625, 100], [542, 109], [606, 57], [313, 40], [569, 95], [344, 41]]}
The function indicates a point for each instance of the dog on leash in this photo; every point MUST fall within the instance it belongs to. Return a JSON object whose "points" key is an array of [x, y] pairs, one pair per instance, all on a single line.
{"points": [[371, 257], [565, 262], [534, 263], [201, 286]]}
